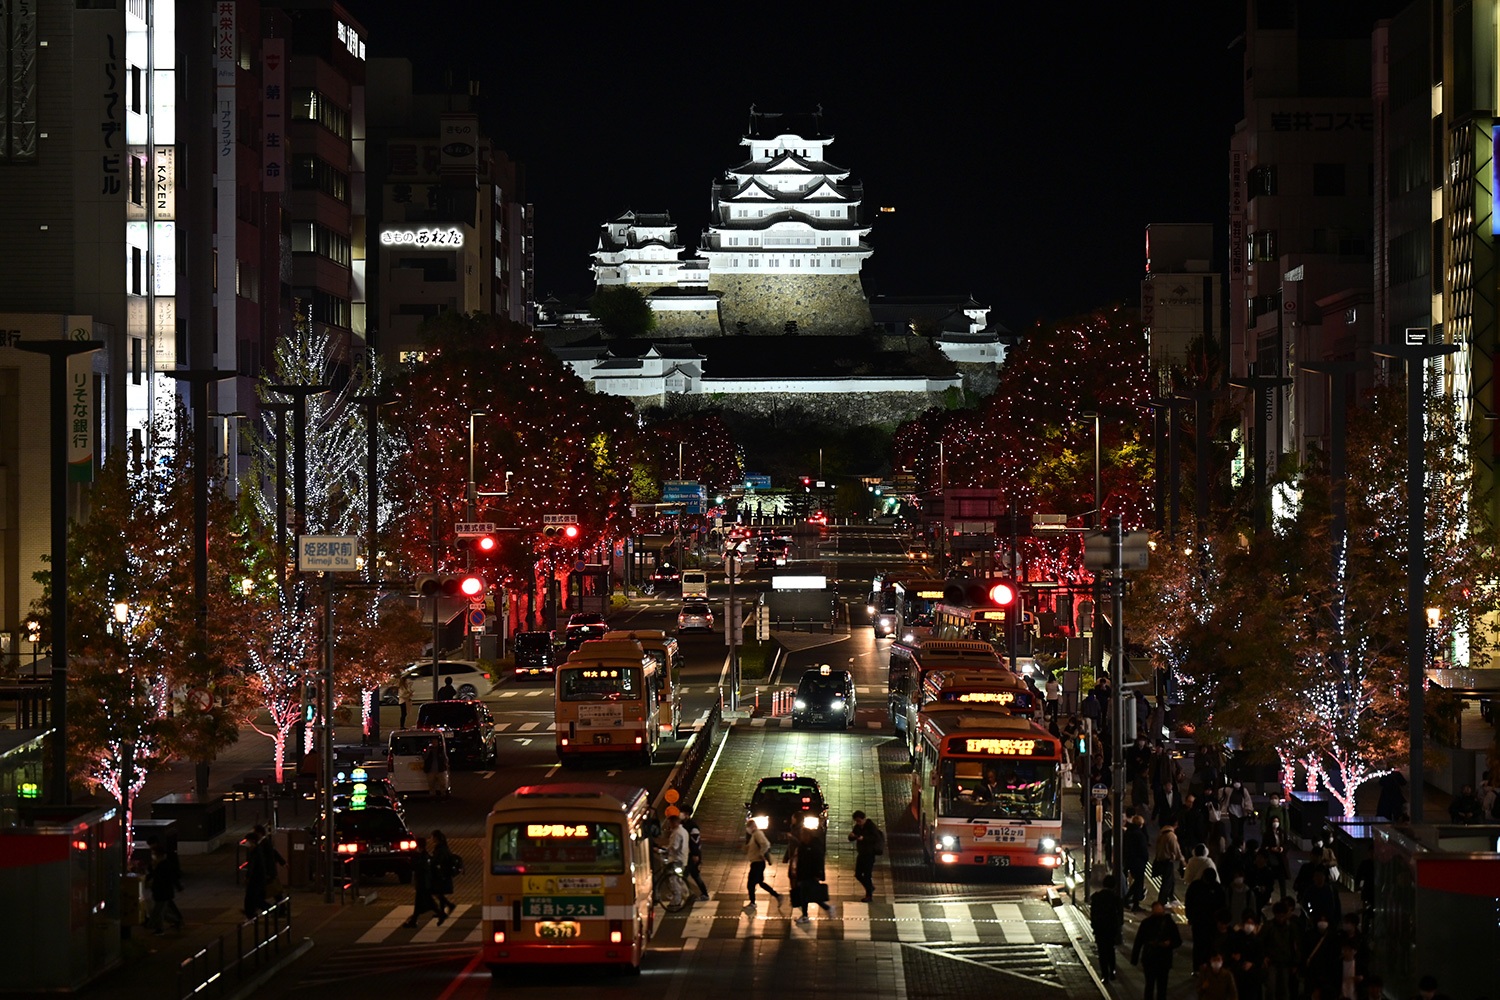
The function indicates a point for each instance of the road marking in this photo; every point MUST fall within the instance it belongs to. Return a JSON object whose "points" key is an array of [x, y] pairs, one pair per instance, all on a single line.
{"points": [[553, 770], [383, 927], [527, 727], [1017, 931], [486, 775], [610, 774], [523, 740], [908, 922], [432, 930]]}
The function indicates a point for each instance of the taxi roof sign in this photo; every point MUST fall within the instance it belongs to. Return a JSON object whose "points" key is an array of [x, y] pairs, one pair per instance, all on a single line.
{"points": [[825, 670], [788, 775]]}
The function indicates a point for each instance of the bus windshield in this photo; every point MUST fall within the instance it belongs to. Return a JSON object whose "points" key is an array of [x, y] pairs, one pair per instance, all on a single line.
{"points": [[553, 847], [599, 684], [987, 789]]}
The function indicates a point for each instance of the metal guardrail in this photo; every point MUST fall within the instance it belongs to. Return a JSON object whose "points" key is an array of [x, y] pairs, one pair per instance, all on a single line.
{"points": [[682, 777], [258, 941]]}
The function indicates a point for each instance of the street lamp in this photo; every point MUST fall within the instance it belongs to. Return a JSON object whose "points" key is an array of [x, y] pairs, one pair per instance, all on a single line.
{"points": [[122, 611], [1098, 491]]}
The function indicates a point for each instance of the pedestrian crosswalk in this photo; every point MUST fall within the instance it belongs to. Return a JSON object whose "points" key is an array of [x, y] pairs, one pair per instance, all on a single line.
{"points": [[785, 722], [537, 728], [934, 923]]}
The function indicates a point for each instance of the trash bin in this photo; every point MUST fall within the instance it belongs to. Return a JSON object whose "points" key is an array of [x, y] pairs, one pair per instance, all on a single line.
{"points": [[134, 904], [295, 844]]}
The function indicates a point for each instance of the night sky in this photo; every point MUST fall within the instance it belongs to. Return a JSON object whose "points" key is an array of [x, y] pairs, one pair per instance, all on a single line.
{"points": [[1024, 154]]}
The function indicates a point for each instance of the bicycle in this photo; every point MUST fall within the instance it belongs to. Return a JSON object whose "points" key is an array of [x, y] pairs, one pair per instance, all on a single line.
{"points": [[668, 883]]}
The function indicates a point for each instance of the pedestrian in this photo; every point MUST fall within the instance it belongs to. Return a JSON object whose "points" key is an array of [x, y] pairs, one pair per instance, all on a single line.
{"points": [[421, 880], [1155, 940], [807, 873], [1216, 982], [1238, 806], [1168, 805], [1392, 802], [1054, 697], [1194, 827], [447, 692], [1466, 807], [1427, 989], [404, 697], [1164, 861], [166, 882], [1319, 899], [444, 868], [1107, 918], [677, 842], [1246, 958], [1275, 851], [1199, 863], [869, 844], [1137, 851], [1283, 951], [758, 853], [1322, 963], [1486, 795], [1202, 904], [435, 765], [1138, 771], [255, 878], [270, 865], [695, 852]]}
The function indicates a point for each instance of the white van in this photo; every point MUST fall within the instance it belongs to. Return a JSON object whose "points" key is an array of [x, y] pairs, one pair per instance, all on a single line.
{"points": [[407, 762], [695, 584]]}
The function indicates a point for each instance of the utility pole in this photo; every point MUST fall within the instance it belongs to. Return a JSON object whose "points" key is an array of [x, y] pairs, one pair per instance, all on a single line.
{"points": [[1262, 386], [1415, 352], [198, 380], [58, 352], [1117, 703]]}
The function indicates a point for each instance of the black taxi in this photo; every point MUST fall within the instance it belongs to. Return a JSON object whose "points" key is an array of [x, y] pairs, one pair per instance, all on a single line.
{"points": [[785, 805]]}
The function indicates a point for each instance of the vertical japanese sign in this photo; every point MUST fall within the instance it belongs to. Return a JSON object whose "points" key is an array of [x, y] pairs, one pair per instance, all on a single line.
{"points": [[225, 64], [1236, 214], [273, 113], [81, 418]]}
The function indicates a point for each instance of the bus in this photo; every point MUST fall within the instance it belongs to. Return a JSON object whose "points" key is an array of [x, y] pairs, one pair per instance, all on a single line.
{"points": [[962, 690], [662, 648], [608, 702], [567, 876], [899, 603], [987, 792], [910, 662]]}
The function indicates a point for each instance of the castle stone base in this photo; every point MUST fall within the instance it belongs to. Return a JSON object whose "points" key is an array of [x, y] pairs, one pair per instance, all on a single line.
{"points": [[820, 304]]}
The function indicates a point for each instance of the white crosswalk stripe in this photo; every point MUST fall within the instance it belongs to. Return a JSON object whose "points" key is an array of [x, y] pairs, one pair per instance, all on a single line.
{"points": [[433, 931], [1016, 929]]}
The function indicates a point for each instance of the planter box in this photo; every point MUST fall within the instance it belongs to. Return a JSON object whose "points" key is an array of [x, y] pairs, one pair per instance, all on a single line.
{"points": [[197, 819]]}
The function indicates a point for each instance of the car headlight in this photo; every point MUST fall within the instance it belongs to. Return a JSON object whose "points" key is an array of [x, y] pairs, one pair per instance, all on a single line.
{"points": [[908, 637], [799, 704], [761, 822], [948, 842], [810, 822], [1048, 844], [838, 703]]}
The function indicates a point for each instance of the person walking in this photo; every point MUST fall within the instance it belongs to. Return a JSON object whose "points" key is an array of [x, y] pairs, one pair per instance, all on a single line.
{"points": [[1155, 940], [695, 852], [1283, 951], [435, 764], [1054, 697], [421, 880], [869, 844], [166, 882], [1199, 863], [808, 874], [758, 853], [255, 878], [1107, 918], [444, 867], [271, 864], [1202, 904], [1466, 807], [1216, 982], [1238, 806], [1164, 861], [404, 698], [447, 692], [1137, 850], [1275, 850]]}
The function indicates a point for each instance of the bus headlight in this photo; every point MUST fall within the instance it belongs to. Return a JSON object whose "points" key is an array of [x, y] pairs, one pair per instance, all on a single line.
{"points": [[799, 704], [948, 842], [1048, 844]]}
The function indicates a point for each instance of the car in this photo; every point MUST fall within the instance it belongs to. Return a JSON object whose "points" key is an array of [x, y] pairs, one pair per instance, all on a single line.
{"points": [[666, 573], [377, 836], [469, 678], [582, 627], [538, 654], [696, 615], [361, 788], [784, 805], [407, 761], [469, 727], [825, 697], [773, 552], [819, 518]]}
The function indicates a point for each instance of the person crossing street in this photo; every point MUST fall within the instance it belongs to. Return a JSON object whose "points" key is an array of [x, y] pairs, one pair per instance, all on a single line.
{"points": [[869, 844]]}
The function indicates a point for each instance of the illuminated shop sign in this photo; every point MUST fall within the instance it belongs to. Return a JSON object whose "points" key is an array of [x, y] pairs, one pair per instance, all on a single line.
{"points": [[437, 239], [349, 39]]}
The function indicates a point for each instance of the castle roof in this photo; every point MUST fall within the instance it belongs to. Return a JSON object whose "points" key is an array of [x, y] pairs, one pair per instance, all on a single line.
{"points": [[787, 161], [788, 215], [825, 190]]}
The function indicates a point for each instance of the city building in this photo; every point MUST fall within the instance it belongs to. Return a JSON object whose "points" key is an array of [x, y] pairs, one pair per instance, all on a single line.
{"points": [[451, 227], [1181, 298], [641, 250], [785, 241], [1300, 210]]}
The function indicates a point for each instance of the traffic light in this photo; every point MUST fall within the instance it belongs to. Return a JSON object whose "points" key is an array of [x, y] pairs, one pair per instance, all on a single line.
{"points": [[563, 534], [999, 592], [485, 545], [468, 585]]}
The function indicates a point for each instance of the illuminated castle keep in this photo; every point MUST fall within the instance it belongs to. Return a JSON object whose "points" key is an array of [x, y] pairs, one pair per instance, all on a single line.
{"points": [[785, 243], [782, 252]]}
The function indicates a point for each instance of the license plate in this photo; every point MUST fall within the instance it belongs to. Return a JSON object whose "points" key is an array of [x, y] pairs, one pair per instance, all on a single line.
{"points": [[998, 861], [379, 849], [601, 738]]}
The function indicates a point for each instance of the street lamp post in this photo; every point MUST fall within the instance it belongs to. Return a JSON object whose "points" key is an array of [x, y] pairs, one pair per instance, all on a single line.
{"points": [[58, 352], [1415, 352]]}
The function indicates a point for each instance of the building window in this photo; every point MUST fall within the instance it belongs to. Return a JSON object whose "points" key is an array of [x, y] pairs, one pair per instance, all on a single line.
{"points": [[1261, 180], [309, 105], [1263, 245], [1262, 305], [310, 237], [1328, 180], [137, 180], [309, 173], [323, 307]]}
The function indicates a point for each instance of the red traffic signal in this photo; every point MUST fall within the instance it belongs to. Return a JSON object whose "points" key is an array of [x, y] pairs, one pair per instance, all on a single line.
{"points": [[994, 593], [1001, 593], [561, 533], [486, 545], [470, 585]]}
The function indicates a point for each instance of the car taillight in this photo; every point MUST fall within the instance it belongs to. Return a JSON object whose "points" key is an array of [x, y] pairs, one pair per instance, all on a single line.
{"points": [[486, 676], [564, 741], [348, 849], [406, 845], [637, 739], [499, 937], [616, 931]]}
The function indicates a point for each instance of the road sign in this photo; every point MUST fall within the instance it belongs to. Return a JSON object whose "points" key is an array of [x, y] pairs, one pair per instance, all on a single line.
{"points": [[328, 553], [476, 617], [472, 529], [559, 518], [757, 482]]}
